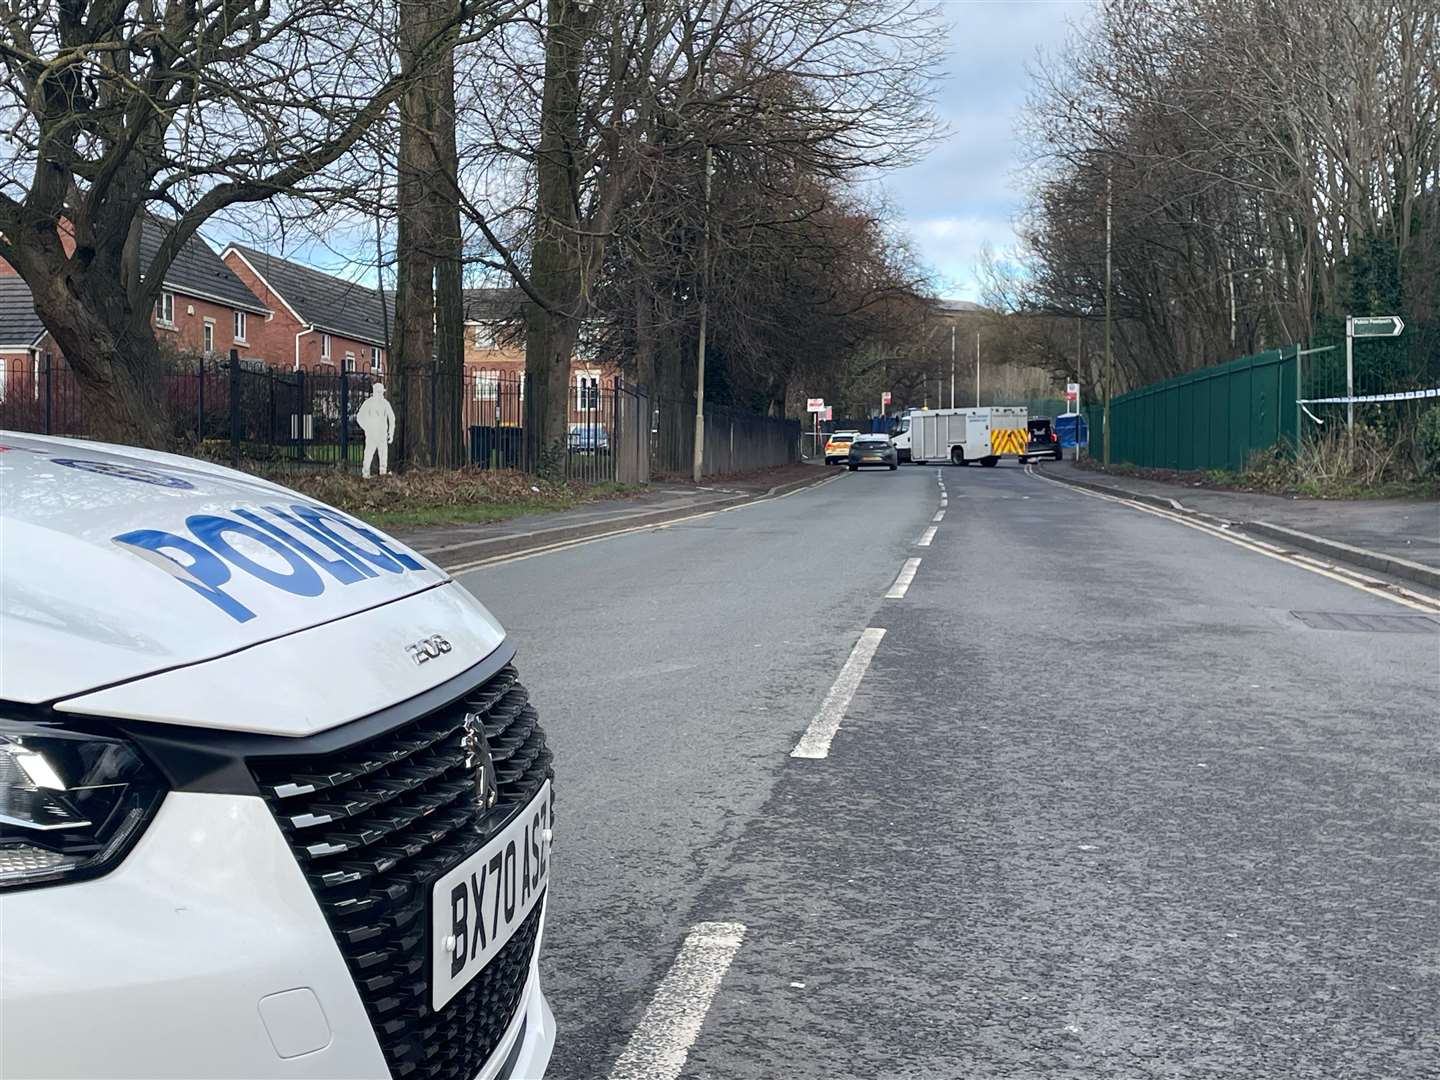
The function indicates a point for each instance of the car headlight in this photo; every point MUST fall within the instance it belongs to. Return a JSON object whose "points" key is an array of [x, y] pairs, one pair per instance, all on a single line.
{"points": [[71, 803]]}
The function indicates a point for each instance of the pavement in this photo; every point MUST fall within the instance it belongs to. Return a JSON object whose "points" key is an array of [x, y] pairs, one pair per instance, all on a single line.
{"points": [[1403, 530], [1101, 804]]}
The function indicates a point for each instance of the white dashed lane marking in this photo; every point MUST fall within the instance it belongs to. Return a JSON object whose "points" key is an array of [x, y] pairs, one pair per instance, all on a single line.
{"points": [[815, 743], [657, 1048], [926, 537], [903, 580]]}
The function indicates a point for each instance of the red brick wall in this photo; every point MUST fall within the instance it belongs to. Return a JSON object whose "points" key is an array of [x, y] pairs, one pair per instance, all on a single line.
{"points": [[275, 342], [188, 332]]}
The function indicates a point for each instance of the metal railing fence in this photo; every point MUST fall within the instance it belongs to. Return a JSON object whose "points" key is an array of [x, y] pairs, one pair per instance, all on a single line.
{"points": [[247, 411]]}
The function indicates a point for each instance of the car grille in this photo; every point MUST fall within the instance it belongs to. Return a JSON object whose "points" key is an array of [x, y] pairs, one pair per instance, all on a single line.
{"points": [[373, 826]]}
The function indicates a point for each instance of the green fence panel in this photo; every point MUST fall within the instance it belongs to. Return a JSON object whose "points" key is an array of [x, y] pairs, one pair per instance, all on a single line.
{"points": [[1265, 380], [1171, 431], [1214, 418], [1217, 406], [1185, 427]]}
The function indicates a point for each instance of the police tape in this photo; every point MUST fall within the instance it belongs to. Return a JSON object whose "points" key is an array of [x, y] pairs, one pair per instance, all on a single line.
{"points": [[1408, 395]]}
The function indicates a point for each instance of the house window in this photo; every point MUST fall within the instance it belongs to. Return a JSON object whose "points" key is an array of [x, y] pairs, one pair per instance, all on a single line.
{"points": [[375, 359], [349, 363], [484, 336], [324, 346], [207, 336], [587, 392], [240, 328], [165, 309], [487, 385]]}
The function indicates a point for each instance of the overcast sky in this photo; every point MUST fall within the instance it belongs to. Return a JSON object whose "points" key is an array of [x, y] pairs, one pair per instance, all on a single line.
{"points": [[967, 190]]}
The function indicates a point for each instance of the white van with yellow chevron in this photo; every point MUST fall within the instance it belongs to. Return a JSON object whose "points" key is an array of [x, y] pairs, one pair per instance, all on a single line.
{"points": [[964, 436]]}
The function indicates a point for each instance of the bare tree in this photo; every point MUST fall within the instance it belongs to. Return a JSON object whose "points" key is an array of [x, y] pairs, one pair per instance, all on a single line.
{"points": [[1272, 162], [115, 111], [841, 86]]}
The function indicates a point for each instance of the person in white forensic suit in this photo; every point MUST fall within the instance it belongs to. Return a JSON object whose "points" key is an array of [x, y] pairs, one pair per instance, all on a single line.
{"points": [[377, 420]]}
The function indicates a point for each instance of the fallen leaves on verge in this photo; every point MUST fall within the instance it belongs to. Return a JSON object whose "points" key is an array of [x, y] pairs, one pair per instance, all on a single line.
{"points": [[420, 489]]}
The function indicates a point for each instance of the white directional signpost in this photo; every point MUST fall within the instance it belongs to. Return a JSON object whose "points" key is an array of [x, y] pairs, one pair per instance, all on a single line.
{"points": [[815, 406], [1364, 326], [1072, 402]]}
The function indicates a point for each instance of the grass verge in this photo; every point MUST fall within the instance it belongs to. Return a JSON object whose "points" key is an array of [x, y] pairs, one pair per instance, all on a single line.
{"points": [[1276, 476], [424, 497]]}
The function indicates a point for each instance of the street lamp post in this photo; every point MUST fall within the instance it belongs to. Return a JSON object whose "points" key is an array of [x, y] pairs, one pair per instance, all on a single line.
{"points": [[698, 463], [1108, 368]]}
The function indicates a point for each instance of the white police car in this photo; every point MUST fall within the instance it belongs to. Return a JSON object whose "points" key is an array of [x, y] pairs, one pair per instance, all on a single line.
{"points": [[272, 802]]}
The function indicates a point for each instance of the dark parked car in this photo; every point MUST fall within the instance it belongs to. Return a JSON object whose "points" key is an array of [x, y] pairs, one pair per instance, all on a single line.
{"points": [[1044, 443], [588, 439], [872, 450]]}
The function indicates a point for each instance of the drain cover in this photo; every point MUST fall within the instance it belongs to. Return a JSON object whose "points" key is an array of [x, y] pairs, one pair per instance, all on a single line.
{"points": [[1373, 624]]}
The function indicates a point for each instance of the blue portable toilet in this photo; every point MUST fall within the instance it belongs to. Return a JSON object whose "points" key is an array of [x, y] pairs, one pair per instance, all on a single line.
{"points": [[1072, 429]]}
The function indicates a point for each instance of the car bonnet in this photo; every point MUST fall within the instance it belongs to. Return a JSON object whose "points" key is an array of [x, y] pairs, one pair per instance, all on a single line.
{"points": [[116, 563]]}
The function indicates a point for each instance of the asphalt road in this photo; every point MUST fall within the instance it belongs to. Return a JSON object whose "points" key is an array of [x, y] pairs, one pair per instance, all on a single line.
{"points": [[1101, 806]]}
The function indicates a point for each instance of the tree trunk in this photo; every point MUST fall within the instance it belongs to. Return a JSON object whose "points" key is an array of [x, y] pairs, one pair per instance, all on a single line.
{"points": [[110, 348], [414, 310], [88, 306], [416, 245], [549, 346], [556, 267], [449, 277], [644, 336]]}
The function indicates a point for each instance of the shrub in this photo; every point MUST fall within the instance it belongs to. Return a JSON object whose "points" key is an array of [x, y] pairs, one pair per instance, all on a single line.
{"points": [[1340, 458], [1427, 439]]}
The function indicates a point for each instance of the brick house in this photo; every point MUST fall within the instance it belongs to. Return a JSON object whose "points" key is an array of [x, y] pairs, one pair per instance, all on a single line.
{"points": [[320, 321], [495, 359], [22, 335], [203, 308]]}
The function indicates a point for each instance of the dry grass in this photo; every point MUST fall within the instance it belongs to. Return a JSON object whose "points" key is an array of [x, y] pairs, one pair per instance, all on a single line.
{"points": [[1339, 464], [1332, 465], [439, 496]]}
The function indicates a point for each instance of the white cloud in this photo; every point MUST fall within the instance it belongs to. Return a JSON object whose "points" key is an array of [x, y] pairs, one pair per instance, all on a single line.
{"points": [[969, 189], [951, 247]]}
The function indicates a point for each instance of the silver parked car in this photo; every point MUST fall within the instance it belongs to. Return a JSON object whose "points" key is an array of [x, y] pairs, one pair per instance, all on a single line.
{"points": [[872, 450]]}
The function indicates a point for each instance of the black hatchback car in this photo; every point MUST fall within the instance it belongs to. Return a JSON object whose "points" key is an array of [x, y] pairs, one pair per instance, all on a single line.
{"points": [[872, 450], [1044, 442]]}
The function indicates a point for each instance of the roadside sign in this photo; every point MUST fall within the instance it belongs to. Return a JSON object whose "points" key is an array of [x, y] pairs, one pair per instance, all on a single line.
{"points": [[1364, 326], [1072, 391], [885, 399], [829, 413], [1376, 326], [815, 404]]}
